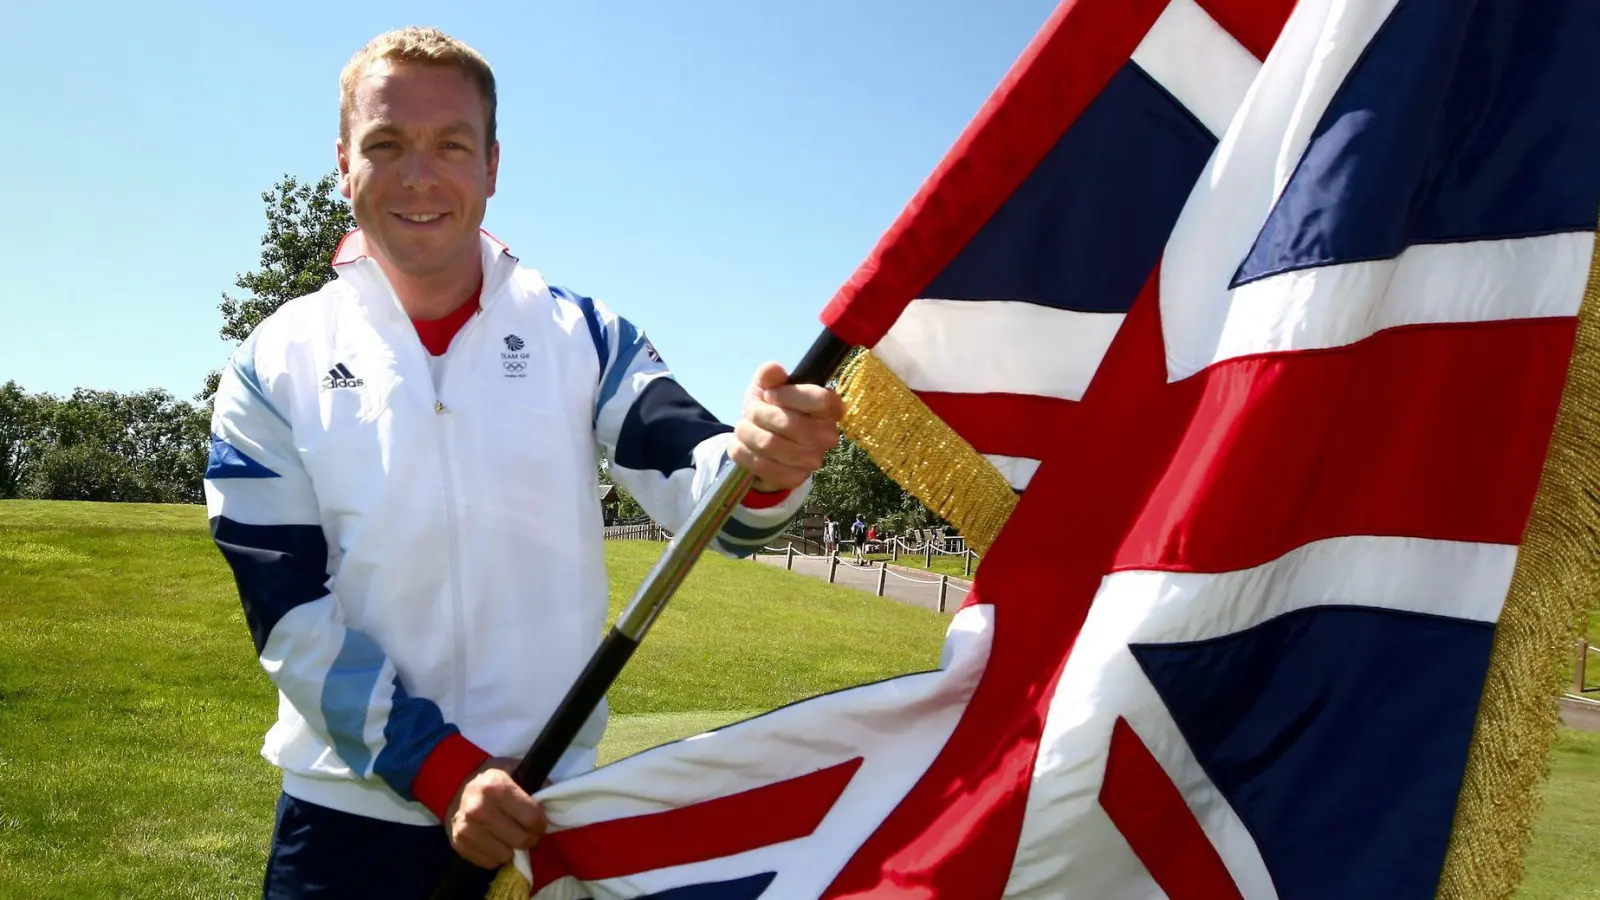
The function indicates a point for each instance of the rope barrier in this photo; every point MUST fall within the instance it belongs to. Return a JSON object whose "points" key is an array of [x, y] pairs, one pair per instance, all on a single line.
{"points": [[912, 580], [846, 560], [782, 550], [925, 546]]}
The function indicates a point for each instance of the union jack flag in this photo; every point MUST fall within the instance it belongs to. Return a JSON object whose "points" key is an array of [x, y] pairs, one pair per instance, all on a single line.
{"points": [[1266, 309]]}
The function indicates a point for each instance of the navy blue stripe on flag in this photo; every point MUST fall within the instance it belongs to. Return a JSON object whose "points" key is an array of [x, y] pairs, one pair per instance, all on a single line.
{"points": [[1339, 735], [276, 567], [1462, 122], [662, 428], [747, 888], [1087, 226]]}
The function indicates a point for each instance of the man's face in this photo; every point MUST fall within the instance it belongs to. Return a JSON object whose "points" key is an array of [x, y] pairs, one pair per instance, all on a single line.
{"points": [[415, 168]]}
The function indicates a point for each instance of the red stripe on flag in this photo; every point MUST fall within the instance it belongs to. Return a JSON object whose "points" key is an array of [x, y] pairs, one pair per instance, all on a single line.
{"points": [[1003, 424], [955, 833], [1253, 23], [1063, 69], [546, 865], [708, 830], [1147, 808], [1456, 418], [1431, 432]]}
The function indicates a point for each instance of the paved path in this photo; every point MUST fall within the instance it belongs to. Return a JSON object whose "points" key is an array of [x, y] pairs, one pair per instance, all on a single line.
{"points": [[907, 586], [1583, 714]]}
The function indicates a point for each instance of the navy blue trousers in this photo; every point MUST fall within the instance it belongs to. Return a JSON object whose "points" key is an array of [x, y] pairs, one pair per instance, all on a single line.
{"points": [[322, 853]]}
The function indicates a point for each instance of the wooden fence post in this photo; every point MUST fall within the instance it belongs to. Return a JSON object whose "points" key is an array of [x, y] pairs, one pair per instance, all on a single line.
{"points": [[968, 561], [944, 587], [788, 562], [896, 551], [1583, 660], [927, 556], [833, 567], [883, 575]]}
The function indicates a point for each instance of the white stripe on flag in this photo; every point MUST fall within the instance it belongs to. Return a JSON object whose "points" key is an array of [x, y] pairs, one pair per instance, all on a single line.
{"points": [[1017, 470], [1102, 681], [997, 346], [1479, 281], [1261, 149], [1086, 855], [901, 724], [1440, 578], [1198, 62]]}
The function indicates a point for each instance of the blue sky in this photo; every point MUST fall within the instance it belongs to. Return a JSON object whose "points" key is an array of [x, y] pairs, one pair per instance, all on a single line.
{"points": [[711, 170]]}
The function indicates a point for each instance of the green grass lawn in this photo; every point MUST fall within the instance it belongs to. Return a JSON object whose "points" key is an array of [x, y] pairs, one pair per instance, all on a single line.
{"points": [[1564, 861], [132, 707]]}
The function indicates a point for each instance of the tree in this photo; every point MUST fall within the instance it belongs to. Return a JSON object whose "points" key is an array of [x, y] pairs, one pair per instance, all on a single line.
{"points": [[101, 445], [18, 420], [850, 484], [83, 472], [628, 508], [305, 223]]}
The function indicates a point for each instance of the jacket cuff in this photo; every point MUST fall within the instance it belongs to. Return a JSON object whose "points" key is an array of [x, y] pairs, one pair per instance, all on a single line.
{"points": [[444, 771], [754, 499]]}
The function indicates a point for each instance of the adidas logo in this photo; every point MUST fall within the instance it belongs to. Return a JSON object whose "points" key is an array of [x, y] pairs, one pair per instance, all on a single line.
{"points": [[340, 377]]}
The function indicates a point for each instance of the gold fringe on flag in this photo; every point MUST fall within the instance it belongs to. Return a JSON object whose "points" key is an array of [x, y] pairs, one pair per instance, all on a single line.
{"points": [[1555, 578], [509, 885], [922, 453]]}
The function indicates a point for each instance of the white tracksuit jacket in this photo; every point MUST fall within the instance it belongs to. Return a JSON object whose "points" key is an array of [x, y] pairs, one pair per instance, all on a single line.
{"points": [[417, 544]]}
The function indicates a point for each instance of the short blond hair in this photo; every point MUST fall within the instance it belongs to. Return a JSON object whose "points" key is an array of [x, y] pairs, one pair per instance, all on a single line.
{"points": [[426, 46]]}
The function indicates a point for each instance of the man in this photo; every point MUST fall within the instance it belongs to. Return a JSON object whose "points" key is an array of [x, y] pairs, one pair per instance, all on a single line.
{"points": [[402, 479], [858, 537]]}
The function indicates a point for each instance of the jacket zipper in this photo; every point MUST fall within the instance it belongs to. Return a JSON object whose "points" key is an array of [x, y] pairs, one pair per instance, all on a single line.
{"points": [[453, 492], [452, 489], [452, 545]]}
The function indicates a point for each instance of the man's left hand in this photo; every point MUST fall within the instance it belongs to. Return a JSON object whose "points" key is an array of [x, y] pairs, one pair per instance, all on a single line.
{"points": [[785, 429]]}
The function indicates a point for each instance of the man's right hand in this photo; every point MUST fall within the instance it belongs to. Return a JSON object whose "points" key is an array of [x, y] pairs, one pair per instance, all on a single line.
{"points": [[491, 817]]}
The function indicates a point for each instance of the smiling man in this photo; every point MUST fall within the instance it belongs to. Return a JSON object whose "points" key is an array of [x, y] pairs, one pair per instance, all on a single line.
{"points": [[402, 479]]}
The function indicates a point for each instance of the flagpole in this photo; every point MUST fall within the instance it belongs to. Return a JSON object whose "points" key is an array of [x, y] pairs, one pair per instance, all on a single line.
{"points": [[827, 352]]}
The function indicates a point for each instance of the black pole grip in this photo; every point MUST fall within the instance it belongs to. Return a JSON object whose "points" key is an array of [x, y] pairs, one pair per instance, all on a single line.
{"points": [[464, 881], [575, 709], [821, 360]]}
